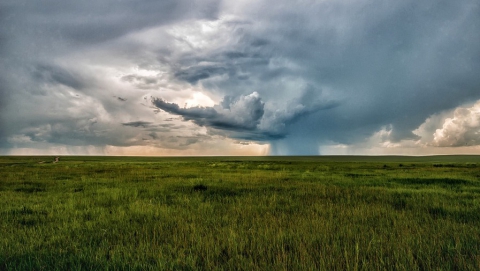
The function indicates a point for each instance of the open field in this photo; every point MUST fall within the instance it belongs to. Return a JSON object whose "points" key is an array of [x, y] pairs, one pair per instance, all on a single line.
{"points": [[232, 213]]}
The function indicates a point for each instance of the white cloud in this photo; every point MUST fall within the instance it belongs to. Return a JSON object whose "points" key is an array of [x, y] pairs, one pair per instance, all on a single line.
{"points": [[463, 129]]}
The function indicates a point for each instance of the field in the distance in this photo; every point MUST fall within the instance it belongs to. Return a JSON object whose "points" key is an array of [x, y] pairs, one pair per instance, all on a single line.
{"points": [[232, 213]]}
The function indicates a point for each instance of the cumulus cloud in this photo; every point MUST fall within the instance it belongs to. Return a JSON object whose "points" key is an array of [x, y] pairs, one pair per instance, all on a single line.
{"points": [[463, 129]]}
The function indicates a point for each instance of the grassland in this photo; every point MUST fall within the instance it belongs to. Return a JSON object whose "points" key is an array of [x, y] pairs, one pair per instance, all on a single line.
{"points": [[231, 213]]}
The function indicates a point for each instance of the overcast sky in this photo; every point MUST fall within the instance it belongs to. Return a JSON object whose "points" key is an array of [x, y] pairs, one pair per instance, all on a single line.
{"points": [[212, 77]]}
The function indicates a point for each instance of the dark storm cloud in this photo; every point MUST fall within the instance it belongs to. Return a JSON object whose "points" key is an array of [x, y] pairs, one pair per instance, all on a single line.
{"points": [[243, 113], [95, 21], [401, 63], [189, 113], [391, 63], [326, 71], [245, 117]]}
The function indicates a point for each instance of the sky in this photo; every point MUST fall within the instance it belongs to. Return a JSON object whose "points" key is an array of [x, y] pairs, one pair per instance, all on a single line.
{"points": [[212, 77]]}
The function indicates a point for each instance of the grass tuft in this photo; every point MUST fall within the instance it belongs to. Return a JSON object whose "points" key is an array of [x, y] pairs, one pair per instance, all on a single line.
{"points": [[199, 187]]}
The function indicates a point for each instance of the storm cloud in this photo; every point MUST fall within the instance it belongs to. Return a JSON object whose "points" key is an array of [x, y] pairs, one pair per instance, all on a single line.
{"points": [[246, 115], [241, 114], [297, 77]]}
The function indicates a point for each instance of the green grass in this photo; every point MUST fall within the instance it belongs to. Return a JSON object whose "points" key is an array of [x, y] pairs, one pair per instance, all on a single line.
{"points": [[234, 213]]}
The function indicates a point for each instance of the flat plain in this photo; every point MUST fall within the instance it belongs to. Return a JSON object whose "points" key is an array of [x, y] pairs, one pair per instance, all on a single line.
{"points": [[240, 213]]}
